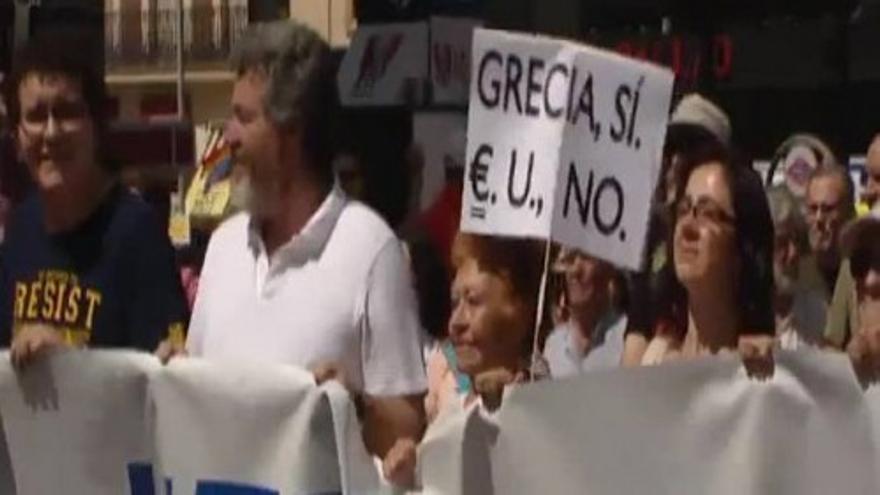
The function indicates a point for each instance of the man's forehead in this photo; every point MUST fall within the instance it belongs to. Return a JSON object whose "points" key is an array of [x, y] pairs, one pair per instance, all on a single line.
{"points": [[256, 76], [826, 185], [249, 84]]}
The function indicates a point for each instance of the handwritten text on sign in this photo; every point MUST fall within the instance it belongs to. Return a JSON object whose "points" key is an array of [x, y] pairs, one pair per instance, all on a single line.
{"points": [[564, 142]]}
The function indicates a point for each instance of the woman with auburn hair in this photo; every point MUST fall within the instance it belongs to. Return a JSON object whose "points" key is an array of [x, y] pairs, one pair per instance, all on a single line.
{"points": [[491, 328], [495, 304]]}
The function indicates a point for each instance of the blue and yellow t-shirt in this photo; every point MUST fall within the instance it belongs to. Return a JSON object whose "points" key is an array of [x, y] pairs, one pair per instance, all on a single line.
{"points": [[112, 282]]}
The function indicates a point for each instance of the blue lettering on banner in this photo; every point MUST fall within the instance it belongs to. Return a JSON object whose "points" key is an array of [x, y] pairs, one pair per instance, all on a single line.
{"points": [[140, 478], [227, 488]]}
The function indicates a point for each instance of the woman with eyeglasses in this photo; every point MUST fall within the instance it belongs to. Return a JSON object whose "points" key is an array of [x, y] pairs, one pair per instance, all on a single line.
{"points": [[719, 285], [85, 263]]}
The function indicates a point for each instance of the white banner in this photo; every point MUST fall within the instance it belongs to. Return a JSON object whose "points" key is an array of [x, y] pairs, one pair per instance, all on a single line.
{"points": [[381, 61], [564, 142], [84, 422], [258, 427], [694, 428], [451, 40], [120, 423], [77, 423], [512, 154]]}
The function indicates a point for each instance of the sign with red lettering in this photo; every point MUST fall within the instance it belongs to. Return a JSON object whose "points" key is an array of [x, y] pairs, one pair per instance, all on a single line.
{"points": [[685, 55]]}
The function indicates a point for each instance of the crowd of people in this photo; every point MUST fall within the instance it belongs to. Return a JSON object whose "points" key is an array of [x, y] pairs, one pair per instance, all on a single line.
{"points": [[307, 276]]}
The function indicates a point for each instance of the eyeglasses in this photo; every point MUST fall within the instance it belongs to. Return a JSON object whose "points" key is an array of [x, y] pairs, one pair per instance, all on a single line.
{"points": [[67, 116], [704, 210]]}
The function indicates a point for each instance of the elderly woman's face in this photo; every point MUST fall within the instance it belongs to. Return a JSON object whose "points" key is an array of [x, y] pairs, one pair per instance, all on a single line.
{"points": [[487, 327], [703, 246]]}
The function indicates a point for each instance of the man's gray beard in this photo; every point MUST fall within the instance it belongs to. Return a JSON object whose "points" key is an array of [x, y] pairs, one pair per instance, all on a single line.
{"points": [[245, 197], [241, 194]]}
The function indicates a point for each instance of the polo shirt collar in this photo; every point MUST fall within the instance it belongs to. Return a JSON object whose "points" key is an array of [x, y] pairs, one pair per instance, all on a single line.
{"points": [[310, 241]]}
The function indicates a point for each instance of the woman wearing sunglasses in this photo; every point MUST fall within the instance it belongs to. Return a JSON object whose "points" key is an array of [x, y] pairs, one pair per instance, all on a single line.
{"points": [[719, 286]]}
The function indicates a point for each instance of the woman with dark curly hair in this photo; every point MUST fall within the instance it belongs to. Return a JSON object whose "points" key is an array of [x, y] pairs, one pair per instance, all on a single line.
{"points": [[719, 284]]}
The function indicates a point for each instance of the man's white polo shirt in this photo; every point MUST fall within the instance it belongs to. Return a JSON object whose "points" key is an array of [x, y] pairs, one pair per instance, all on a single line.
{"points": [[339, 291]]}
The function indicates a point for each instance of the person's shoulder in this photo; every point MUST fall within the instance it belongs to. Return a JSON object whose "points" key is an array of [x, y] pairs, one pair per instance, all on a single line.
{"points": [[231, 234], [556, 338], [132, 210], [23, 228], [360, 216], [234, 226], [359, 225]]}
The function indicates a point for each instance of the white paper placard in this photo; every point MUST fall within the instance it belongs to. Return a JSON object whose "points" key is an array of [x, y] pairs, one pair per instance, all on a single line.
{"points": [[564, 142]]}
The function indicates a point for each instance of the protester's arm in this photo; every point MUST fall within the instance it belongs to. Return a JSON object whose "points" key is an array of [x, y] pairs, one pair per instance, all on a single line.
{"points": [[157, 306], [635, 343], [389, 419], [393, 363]]}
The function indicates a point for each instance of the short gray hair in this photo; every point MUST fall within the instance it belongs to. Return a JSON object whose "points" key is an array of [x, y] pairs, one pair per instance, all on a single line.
{"points": [[301, 88]]}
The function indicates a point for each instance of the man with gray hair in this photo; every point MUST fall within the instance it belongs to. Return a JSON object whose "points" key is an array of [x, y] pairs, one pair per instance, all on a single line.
{"points": [[830, 204], [800, 311], [306, 276]]}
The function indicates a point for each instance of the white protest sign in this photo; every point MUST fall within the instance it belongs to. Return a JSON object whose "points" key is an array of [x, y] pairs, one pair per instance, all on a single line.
{"points": [[257, 427], [76, 422], [451, 40], [381, 61], [702, 427], [513, 146], [611, 157], [564, 142]]}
